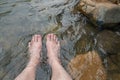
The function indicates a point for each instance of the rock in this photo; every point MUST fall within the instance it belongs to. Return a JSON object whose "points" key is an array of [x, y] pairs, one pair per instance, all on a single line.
{"points": [[113, 67], [113, 1], [108, 42], [87, 66], [86, 41], [100, 12]]}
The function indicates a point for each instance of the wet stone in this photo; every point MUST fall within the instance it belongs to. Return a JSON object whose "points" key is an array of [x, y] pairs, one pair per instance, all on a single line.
{"points": [[86, 42], [114, 67], [108, 42], [87, 66]]}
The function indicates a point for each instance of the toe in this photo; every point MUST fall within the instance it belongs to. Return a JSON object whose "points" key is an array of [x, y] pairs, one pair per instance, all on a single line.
{"points": [[48, 37], [29, 44], [58, 42], [32, 39], [36, 38], [39, 38], [52, 37], [56, 39]]}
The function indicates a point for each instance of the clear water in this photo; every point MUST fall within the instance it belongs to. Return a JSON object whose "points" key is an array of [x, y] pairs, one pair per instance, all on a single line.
{"points": [[20, 19]]}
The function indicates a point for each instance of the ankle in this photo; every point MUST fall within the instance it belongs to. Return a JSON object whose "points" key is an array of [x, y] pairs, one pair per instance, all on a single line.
{"points": [[54, 61], [32, 64]]}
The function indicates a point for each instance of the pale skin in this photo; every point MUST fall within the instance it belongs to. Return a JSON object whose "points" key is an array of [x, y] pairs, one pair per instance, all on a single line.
{"points": [[53, 50]]}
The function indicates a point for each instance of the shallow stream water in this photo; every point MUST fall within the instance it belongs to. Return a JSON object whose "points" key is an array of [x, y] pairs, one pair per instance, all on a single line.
{"points": [[21, 19]]}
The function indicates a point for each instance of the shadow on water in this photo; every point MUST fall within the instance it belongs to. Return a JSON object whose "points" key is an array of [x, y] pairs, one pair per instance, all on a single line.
{"points": [[21, 19]]}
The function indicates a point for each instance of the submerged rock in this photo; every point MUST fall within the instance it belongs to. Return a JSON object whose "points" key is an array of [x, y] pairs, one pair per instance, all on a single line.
{"points": [[113, 1], [104, 14], [114, 67], [86, 41], [108, 42], [87, 66]]}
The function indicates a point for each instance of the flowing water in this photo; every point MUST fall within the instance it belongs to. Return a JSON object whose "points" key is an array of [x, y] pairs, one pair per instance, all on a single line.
{"points": [[20, 19]]}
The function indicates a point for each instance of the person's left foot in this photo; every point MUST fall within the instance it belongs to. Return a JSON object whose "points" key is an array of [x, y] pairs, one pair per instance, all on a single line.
{"points": [[35, 49]]}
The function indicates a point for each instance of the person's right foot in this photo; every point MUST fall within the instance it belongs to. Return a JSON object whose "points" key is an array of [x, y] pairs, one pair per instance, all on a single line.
{"points": [[53, 48]]}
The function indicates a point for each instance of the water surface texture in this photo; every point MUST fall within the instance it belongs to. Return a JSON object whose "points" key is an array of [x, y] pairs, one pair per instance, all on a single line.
{"points": [[21, 19]]}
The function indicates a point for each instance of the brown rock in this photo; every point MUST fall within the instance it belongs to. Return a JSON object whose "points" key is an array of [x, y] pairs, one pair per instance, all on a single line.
{"points": [[87, 67], [100, 12]]}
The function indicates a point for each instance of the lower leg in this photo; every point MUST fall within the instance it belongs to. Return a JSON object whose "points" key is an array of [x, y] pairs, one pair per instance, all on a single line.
{"points": [[59, 72], [53, 48], [27, 74], [34, 48]]}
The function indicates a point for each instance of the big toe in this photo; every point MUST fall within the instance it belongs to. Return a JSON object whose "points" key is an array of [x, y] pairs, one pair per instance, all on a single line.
{"points": [[39, 38], [48, 37]]}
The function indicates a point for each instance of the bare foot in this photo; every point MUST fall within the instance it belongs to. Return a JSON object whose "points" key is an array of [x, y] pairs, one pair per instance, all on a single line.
{"points": [[53, 48], [35, 50]]}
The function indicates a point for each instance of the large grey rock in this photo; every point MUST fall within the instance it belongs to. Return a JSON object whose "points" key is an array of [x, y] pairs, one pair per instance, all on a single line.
{"points": [[102, 13]]}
